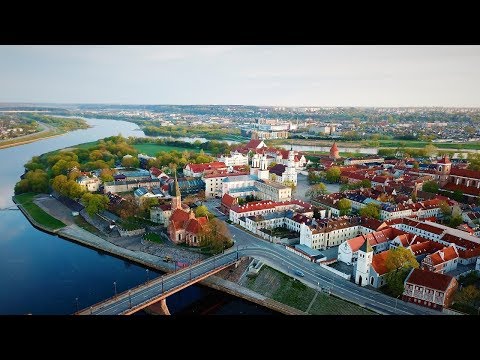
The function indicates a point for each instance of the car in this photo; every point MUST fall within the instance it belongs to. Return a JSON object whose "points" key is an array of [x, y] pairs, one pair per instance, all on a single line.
{"points": [[299, 272]]}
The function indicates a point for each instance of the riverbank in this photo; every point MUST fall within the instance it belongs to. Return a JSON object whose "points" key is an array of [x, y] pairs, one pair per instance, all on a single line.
{"points": [[73, 232]]}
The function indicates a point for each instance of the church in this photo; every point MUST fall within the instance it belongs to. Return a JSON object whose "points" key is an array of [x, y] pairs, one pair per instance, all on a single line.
{"points": [[184, 226], [279, 172]]}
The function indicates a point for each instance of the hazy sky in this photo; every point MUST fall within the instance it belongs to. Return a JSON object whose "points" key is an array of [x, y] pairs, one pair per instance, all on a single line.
{"points": [[250, 75]]}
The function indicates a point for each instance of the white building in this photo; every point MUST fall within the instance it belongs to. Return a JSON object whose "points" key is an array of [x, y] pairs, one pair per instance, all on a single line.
{"points": [[269, 190], [235, 159], [364, 262], [214, 183], [89, 183]]}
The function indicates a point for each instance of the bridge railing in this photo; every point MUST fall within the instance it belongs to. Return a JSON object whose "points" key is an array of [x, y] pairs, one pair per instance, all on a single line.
{"points": [[125, 294], [176, 288]]}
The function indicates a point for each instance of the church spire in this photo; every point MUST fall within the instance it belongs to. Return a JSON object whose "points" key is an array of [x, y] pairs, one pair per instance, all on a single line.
{"points": [[177, 196]]}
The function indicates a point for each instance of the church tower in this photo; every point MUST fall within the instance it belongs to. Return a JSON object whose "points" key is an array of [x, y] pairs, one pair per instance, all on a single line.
{"points": [[362, 270], [334, 152], [263, 173], [290, 173], [177, 196], [443, 169]]}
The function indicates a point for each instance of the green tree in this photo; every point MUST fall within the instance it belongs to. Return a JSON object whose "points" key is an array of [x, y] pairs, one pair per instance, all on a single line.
{"points": [[106, 175], [333, 174], [457, 195], [290, 184], [202, 210], [371, 210], [430, 186], [215, 236], [468, 295], [399, 258], [313, 177], [473, 161], [395, 281], [94, 203], [430, 150], [399, 262], [130, 162], [37, 180], [345, 206], [73, 189], [59, 184], [316, 190], [455, 221], [445, 209]]}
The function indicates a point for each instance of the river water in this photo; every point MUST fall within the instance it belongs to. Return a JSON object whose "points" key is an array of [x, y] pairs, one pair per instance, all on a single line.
{"points": [[43, 274]]}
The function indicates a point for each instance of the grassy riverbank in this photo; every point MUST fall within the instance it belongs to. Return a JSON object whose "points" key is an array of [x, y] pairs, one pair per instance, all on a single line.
{"points": [[37, 214], [282, 288]]}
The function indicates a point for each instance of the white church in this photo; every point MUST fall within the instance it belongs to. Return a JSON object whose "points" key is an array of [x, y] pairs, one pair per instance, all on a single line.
{"points": [[279, 172]]}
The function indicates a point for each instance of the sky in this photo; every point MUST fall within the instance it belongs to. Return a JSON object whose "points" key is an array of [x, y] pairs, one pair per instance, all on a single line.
{"points": [[277, 75]]}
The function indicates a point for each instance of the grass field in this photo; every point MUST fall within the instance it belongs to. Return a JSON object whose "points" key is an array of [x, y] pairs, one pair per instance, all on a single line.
{"points": [[422, 144], [86, 145], [284, 289], [153, 149], [154, 237], [40, 216]]}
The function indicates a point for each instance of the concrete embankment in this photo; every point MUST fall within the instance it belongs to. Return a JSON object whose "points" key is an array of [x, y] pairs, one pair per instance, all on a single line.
{"points": [[83, 237]]}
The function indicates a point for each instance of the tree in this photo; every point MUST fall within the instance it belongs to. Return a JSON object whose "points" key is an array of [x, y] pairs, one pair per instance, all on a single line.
{"points": [[395, 281], [106, 175], [128, 207], [202, 210], [201, 196], [73, 189], [455, 221], [273, 177], [430, 150], [445, 209], [430, 186], [36, 181], [333, 174], [130, 162], [399, 262], [59, 184], [468, 295], [344, 205], [473, 161], [371, 210], [400, 258], [316, 190], [215, 236], [272, 164], [94, 203], [458, 195], [313, 177]]}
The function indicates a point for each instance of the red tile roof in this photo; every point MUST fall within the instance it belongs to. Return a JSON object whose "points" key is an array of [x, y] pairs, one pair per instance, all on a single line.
{"points": [[194, 226], [179, 215], [356, 243], [444, 160], [444, 255], [198, 168], [474, 174], [253, 144], [228, 200], [378, 262], [154, 171], [429, 279], [471, 190]]}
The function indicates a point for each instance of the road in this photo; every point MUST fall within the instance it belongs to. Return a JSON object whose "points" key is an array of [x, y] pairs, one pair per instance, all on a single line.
{"points": [[274, 255], [277, 257]]}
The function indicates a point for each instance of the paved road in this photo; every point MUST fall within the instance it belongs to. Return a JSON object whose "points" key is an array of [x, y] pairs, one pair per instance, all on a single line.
{"points": [[276, 256], [155, 288]]}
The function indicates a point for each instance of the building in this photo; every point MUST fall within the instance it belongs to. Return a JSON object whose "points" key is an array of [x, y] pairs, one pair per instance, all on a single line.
{"points": [[239, 186], [364, 160], [90, 184], [188, 185], [124, 186], [326, 233], [214, 183], [198, 170], [270, 190], [334, 152], [363, 264], [235, 159], [183, 226], [429, 289], [284, 173], [441, 261]]}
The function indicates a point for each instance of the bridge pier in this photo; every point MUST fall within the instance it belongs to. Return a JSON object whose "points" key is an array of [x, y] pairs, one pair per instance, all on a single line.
{"points": [[159, 308]]}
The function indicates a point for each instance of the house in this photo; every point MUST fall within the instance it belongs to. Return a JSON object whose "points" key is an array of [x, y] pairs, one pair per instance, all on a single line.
{"points": [[90, 184], [429, 289], [441, 261], [235, 159], [227, 202], [198, 170]]}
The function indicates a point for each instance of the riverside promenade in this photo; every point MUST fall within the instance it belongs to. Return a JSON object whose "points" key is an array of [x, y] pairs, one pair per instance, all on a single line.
{"points": [[77, 234]]}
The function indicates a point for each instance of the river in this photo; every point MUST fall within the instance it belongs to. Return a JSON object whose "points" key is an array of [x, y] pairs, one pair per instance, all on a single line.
{"points": [[43, 274]]}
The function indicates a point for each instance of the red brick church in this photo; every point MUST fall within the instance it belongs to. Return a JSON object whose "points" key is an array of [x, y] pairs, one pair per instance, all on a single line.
{"points": [[184, 227]]}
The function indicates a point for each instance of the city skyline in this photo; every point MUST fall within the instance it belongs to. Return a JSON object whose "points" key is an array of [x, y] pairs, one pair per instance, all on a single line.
{"points": [[290, 76]]}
